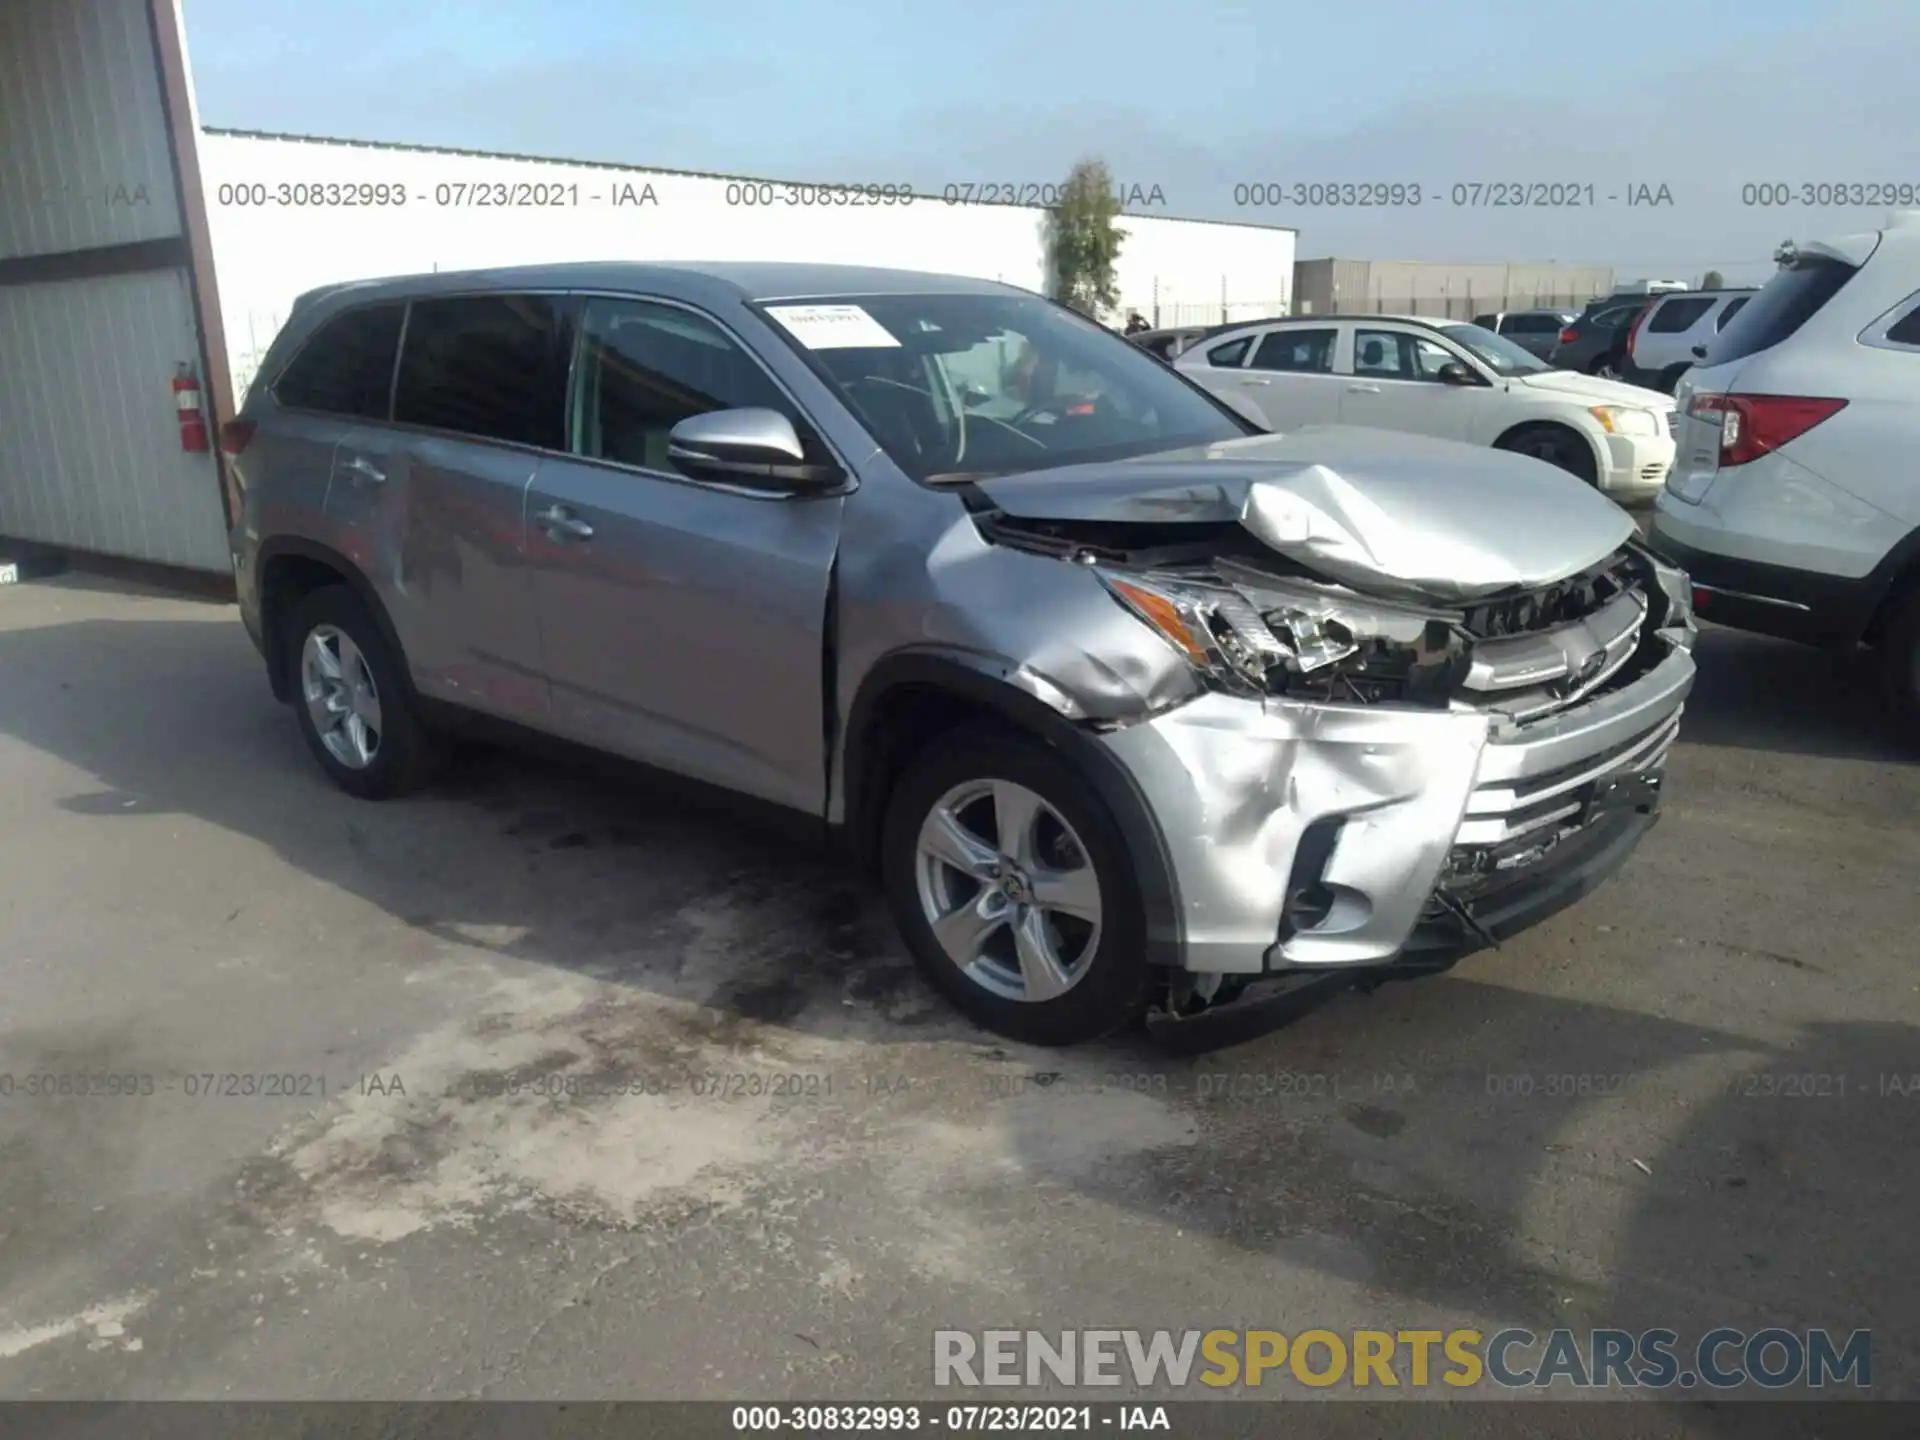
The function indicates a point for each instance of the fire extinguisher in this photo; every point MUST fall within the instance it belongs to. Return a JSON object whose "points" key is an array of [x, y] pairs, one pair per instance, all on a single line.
{"points": [[193, 422]]}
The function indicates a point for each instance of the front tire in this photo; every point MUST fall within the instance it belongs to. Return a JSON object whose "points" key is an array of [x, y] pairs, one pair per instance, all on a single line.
{"points": [[1009, 880], [1556, 445], [351, 699]]}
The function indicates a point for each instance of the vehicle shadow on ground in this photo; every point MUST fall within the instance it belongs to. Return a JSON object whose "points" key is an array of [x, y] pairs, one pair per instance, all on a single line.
{"points": [[1417, 1166], [1539, 1163], [1757, 693]]}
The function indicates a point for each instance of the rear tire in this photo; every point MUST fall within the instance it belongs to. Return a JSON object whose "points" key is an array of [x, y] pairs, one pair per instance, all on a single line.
{"points": [[1900, 665], [351, 698], [1604, 368], [1556, 445], [984, 829]]}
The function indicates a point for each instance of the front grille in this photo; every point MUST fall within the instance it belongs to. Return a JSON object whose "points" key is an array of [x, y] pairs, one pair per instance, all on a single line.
{"points": [[1526, 676], [1548, 649], [1573, 598], [1673, 422], [1654, 472]]}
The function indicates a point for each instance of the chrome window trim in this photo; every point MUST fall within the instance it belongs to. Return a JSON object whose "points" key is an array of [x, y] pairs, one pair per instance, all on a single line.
{"points": [[852, 482], [1875, 335], [407, 302], [272, 389], [1416, 332]]}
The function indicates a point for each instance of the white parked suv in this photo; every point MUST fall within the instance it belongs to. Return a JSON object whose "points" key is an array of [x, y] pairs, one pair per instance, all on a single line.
{"points": [[1441, 378], [1795, 503], [1673, 332]]}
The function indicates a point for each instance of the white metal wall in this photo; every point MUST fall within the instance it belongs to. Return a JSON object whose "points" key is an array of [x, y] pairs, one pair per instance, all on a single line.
{"points": [[89, 438], [266, 254]]}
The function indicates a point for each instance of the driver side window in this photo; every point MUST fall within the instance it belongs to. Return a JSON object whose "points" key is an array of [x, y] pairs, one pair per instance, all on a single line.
{"points": [[1395, 355], [644, 367]]}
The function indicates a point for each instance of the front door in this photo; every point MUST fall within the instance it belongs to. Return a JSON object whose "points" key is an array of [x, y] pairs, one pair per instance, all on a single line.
{"points": [[1396, 385], [682, 622]]}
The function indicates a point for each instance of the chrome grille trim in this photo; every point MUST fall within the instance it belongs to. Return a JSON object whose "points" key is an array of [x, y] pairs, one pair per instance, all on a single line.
{"points": [[1526, 676]]}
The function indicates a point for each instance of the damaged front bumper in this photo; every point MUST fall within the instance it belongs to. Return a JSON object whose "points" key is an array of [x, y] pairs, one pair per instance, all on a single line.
{"points": [[1307, 836]]}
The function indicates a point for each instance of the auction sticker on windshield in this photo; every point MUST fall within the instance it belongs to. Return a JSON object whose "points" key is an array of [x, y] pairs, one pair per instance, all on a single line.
{"points": [[833, 327]]}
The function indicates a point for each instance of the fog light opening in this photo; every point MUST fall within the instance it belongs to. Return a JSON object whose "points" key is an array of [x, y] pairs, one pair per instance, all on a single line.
{"points": [[1309, 906]]}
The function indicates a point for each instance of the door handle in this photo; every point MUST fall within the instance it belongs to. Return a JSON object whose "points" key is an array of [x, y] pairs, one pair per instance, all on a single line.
{"points": [[364, 468], [557, 520], [1257, 380], [1363, 389]]}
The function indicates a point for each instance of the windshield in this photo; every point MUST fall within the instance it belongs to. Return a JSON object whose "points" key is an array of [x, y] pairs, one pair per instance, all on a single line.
{"points": [[996, 384], [1496, 352]]}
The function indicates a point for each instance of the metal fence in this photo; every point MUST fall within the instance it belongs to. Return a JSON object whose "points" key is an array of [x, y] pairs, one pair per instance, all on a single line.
{"points": [[1450, 307], [1170, 308]]}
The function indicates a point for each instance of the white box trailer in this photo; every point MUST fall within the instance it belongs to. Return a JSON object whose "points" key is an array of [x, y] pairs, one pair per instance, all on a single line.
{"points": [[106, 295]]}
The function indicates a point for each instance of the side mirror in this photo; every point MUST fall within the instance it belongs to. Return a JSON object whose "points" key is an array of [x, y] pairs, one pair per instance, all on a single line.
{"points": [[1454, 373], [973, 397], [754, 445]]}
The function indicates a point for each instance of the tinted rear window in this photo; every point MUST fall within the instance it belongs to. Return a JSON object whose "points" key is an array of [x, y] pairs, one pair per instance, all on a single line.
{"points": [[1732, 310], [484, 365], [1310, 350], [346, 366], [1906, 331], [1676, 315], [1783, 305], [1530, 324]]}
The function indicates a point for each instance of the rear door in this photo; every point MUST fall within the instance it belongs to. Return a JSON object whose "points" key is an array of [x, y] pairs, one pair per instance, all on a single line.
{"points": [[682, 620], [1666, 339], [478, 404], [335, 388], [1219, 364], [1289, 375]]}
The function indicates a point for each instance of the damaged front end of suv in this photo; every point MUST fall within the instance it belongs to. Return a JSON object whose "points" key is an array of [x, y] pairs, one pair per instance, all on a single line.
{"points": [[1432, 694]]}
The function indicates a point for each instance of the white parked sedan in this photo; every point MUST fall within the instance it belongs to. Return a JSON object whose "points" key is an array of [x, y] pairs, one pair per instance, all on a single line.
{"points": [[1441, 378]]}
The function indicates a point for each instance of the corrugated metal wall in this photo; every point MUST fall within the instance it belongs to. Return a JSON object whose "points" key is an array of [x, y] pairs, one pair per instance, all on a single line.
{"points": [[421, 209], [89, 448]]}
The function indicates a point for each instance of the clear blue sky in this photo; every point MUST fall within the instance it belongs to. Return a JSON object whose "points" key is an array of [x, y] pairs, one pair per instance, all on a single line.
{"points": [[1194, 96]]}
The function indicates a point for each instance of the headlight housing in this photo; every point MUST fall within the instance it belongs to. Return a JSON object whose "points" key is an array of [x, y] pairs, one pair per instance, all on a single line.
{"points": [[1268, 635], [1626, 420]]}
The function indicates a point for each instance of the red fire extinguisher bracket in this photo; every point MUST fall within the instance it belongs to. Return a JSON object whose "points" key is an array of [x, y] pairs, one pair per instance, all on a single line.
{"points": [[193, 419]]}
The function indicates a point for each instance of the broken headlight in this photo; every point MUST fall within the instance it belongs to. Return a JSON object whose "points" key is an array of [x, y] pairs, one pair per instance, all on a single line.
{"points": [[1284, 637]]}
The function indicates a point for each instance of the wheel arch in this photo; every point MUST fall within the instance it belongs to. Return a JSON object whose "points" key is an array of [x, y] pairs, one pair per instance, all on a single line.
{"points": [[291, 568], [910, 698], [1895, 578], [1594, 448]]}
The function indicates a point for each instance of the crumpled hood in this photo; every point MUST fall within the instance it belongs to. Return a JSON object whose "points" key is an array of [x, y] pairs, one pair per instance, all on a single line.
{"points": [[1378, 510], [1597, 391]]}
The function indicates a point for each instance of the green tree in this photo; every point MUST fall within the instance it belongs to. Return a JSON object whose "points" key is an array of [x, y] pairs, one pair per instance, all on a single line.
{"points": [[1083, 242], [1714, 281]]}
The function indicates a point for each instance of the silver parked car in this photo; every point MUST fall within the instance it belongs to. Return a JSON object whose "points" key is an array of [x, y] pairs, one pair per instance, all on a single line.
{"points": [[1122, 699]]}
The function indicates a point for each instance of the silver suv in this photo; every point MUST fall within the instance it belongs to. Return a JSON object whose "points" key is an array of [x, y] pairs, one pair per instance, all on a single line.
{"points": [[1124, 701]]}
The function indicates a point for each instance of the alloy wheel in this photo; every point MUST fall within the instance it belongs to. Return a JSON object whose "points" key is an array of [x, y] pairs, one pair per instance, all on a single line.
{"points": [[1008, 889], [341, 698]]}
